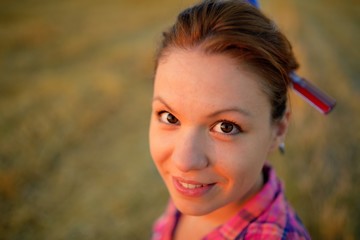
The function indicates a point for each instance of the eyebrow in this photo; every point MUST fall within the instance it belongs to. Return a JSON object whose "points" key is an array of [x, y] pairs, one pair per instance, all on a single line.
{"points": [[218, 112], [157, 98], [233, 109]]}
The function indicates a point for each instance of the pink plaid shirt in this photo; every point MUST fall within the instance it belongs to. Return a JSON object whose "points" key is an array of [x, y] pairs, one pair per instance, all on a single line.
{"points": [[267, 215]]}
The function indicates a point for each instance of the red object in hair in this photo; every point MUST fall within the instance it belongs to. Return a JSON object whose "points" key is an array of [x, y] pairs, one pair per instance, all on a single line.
{"points": [[313, 95]]}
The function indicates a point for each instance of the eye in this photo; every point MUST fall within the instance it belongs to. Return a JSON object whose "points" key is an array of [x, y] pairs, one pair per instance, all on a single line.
{"points": [[168, 118], [227, 127]]}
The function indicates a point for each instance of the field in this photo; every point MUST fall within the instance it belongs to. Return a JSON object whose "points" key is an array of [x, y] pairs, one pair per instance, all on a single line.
{"points": [[75, 90]]}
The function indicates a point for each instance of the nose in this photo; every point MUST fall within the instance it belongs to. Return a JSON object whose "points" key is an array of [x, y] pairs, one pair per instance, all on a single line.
{"points": [[190, 151]]}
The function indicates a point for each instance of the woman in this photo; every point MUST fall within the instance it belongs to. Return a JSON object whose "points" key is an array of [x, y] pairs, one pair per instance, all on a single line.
{"points": [[219, 110]]}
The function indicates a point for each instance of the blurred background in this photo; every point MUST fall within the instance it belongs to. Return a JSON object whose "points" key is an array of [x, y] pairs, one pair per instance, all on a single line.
{"points": [[75, 90]]}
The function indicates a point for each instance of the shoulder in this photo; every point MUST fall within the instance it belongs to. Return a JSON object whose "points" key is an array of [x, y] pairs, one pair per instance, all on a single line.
{"points": [[278, 220], [272, 231]]}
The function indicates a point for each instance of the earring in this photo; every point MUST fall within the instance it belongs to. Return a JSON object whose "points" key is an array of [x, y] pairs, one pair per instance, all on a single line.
{"points": [[282, 148]]}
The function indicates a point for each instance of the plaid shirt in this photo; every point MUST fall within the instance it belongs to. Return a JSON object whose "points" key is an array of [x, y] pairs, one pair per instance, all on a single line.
{"points": [[267, 215]]}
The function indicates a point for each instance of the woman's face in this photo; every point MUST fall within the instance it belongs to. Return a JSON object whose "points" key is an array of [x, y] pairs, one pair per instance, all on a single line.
{"points": [[210, 131]]}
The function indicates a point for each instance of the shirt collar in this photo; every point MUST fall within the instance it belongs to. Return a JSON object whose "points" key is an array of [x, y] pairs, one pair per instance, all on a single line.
{"points": [[254, 207]]}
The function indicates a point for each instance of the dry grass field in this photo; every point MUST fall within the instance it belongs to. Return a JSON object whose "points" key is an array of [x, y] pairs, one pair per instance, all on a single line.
{"points": [[75, 89]]}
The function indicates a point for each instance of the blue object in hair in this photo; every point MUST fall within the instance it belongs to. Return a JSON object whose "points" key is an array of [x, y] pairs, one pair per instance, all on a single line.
{"points": [[255, 3]]}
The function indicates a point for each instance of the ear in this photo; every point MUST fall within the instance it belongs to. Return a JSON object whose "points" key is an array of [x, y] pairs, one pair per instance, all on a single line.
{"points": [[280, 130]]}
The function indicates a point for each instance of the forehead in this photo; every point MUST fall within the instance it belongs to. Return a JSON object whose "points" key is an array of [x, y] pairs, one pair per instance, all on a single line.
{"points": [[196, 79]]}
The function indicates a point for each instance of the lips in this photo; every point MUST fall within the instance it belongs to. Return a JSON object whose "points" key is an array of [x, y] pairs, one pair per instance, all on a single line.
{"points": [[191, 188]]}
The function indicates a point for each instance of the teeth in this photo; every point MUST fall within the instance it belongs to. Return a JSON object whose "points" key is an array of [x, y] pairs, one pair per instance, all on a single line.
{"points": [[191, 186]]}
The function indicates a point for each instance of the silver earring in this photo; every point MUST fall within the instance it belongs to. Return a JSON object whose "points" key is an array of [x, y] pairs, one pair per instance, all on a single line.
{"points": [[282, 148]]}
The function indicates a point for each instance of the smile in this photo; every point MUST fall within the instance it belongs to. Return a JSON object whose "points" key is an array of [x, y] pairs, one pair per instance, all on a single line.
{"points": [[190, 188]]}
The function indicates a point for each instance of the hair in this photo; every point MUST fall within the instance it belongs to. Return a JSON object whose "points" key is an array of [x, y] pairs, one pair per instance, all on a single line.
{"points": [[241, 31]]}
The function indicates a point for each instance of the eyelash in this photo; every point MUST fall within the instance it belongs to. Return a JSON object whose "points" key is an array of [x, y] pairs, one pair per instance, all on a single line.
{"points": [[159, 114], [237, 126]]}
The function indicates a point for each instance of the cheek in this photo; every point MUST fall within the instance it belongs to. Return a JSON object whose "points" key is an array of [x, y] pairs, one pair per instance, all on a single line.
{"points": [[241, 173], [159, 146], [154, 143], [242, 161]]}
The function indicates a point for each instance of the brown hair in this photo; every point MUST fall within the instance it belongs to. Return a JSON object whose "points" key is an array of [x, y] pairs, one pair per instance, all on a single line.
{"points": [[236, 28]]}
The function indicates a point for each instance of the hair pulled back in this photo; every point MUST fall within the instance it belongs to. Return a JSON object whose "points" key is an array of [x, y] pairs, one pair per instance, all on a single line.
{"points": [[241, 31]]}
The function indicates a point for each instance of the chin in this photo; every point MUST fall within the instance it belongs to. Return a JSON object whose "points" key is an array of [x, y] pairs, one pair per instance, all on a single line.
{"points": [[194, 208]]}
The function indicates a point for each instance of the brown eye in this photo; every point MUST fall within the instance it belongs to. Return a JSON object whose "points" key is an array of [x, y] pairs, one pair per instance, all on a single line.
{"points": [[167, 117], [226, 127]]}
